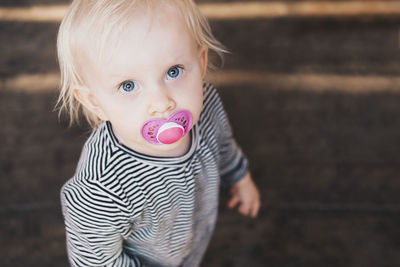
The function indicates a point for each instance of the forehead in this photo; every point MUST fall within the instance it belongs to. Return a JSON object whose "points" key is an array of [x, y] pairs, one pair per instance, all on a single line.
{"points": [[157, 31]]}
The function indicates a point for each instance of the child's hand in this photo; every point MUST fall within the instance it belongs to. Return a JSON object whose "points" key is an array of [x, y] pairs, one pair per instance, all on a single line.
{"points": [[246, 193]]}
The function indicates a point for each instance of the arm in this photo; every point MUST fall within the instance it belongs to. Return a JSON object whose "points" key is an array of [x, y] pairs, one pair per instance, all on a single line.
{"points": [[94, 228], [233, 164], [234, 169]]}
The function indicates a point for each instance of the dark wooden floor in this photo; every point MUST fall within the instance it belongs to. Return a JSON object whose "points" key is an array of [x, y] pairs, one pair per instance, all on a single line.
{"points": [[327, 164]]}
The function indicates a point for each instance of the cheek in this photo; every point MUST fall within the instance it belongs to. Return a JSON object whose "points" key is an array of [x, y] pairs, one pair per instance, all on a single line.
{"points": [[194, 100], [120, 107]]}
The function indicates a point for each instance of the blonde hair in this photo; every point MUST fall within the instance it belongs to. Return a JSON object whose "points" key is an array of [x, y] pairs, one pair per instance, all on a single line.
{"points": [[102, 21]]}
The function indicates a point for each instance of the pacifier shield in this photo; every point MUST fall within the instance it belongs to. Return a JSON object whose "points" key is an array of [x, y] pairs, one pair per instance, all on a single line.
{"points": [[167, 131]]}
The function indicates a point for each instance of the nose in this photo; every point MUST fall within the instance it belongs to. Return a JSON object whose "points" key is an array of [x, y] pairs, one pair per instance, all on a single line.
{"points": [[160, 102]]}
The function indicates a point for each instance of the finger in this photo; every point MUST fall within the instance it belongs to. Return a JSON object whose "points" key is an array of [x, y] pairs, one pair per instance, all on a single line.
{"points": [[244, 209], [233, 202], [255, 209]]}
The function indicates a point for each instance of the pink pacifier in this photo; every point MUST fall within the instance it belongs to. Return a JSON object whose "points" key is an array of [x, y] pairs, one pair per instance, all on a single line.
{"points": [[167, 131]]}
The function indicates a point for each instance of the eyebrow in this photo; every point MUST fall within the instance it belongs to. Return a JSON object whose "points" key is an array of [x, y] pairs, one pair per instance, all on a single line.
{"points": [[179, 58], [172, 61]]}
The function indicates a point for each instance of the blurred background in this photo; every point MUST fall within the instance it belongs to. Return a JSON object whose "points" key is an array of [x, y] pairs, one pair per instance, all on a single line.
{"points": [[313, 91]]}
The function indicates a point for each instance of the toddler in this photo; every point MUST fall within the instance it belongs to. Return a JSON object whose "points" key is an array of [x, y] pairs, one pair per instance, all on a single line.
{"points": [[145, 192]]}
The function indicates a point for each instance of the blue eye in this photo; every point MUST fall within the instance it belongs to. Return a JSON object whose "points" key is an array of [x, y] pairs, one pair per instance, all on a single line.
{"points": [[128, 86], [174, 72]]}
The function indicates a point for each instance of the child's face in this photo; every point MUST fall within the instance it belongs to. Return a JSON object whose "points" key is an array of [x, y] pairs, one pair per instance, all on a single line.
{"points": [[156, 70]]}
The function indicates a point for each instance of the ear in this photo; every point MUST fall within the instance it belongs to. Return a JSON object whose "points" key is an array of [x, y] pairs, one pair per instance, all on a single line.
{"points": [[86, 97], [203, 60]]}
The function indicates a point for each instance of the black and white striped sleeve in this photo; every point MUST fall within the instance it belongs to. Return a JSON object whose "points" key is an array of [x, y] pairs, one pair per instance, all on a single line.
{"points": [[233, 163], [95, 227]]}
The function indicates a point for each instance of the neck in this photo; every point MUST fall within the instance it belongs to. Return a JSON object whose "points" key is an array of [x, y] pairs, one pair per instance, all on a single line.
{"points": [[177, 149]]}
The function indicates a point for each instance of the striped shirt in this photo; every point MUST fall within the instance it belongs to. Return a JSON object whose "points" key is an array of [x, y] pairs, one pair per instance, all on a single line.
{"points": [[123, 208]]}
